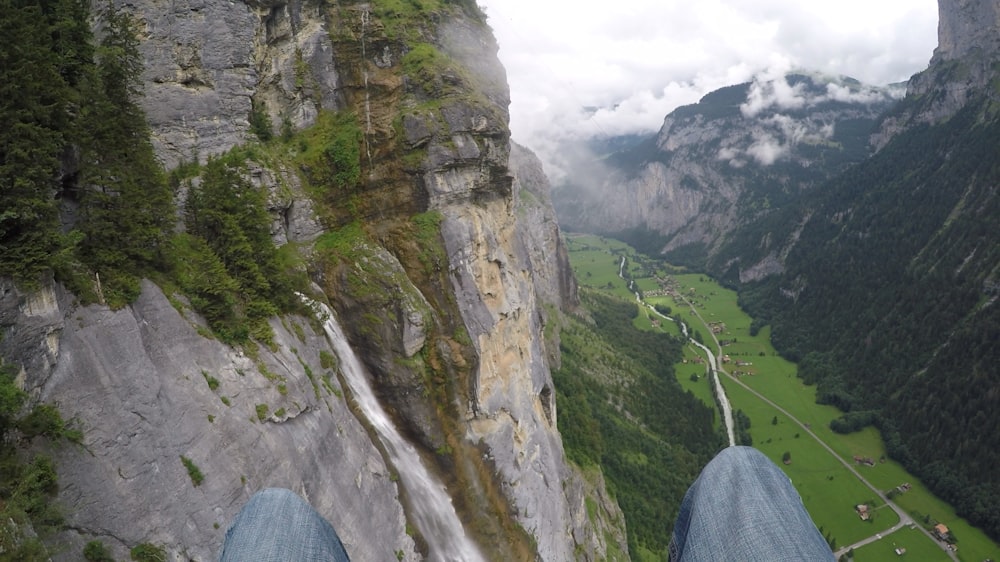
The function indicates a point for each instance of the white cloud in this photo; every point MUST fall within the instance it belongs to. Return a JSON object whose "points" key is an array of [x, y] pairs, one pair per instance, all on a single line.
{"points": [[639, 59], [774, 92], [766, 150]]}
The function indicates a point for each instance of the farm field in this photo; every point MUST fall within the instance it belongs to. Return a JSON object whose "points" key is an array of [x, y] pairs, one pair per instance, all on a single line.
{"points": [[913, 541]]}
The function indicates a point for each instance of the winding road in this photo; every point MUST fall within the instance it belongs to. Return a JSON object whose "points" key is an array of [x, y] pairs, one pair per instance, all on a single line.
{"points": [[720, 393]]}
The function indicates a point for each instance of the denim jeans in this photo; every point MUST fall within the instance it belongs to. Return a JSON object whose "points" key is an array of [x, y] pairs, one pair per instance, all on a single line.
{"points": [[278, 526], [743, 507]]}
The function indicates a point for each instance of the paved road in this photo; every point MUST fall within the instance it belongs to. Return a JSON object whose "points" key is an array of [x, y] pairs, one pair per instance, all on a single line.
{"points": [[904, 518]]}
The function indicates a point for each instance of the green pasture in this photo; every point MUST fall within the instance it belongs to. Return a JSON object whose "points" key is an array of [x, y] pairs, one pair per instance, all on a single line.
{"points": [[775, 378], [702, 388], [919, 548], [828, 489], [595, 262]]}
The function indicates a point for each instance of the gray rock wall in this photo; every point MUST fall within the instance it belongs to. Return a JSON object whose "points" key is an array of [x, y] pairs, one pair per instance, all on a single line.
{"points": [[967, 27], [136, 382], [962, 69], [538, 228], [207, 63], [148, 386]]}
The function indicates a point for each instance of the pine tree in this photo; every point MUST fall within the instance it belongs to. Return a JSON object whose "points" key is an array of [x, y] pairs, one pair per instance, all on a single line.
{"points": [[127, 205], [33, 119]]}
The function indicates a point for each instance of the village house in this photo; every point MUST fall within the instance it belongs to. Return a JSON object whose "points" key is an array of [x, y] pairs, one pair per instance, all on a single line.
{"points": [[941, 531], [862, 510]]}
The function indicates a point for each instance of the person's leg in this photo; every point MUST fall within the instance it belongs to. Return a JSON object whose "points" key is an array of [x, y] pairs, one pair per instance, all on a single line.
{"points": [[743, 507], [276, 525]]}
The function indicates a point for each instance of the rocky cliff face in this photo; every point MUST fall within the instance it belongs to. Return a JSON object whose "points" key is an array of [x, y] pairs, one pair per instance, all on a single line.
{"points": [[967, 27], [147, 388], [442, 296], [963, 67], [542, 242], [209, 64], [726, 162]]}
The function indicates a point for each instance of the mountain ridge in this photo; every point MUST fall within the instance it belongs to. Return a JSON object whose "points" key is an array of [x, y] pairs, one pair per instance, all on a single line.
{"points": [[724, 162]]}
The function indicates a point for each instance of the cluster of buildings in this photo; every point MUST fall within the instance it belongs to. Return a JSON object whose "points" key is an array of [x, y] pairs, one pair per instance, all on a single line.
{"points": [[867, 461]]}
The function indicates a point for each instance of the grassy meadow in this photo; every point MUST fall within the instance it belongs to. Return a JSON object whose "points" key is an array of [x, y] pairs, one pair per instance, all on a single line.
{"points": [[829, 491], [913, 541]]}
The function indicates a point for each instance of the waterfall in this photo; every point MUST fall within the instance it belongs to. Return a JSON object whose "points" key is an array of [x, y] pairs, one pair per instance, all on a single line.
{"points": [[431, 509], [365, 15]]}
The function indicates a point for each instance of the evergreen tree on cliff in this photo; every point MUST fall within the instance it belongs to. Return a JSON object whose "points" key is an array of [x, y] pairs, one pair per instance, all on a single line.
{"points": [[127, 206], [34, 119]]}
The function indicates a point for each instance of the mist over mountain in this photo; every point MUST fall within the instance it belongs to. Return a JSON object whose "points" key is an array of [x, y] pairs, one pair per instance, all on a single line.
{"points": [[175, 178], [716, 166]]}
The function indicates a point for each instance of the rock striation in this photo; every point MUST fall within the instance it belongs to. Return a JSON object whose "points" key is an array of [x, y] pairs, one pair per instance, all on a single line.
{"points": [[147, 388], [967, 28], [209, 64]]}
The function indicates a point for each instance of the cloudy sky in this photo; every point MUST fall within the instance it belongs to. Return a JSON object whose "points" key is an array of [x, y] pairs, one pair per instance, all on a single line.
{"points": [[581, 68]]}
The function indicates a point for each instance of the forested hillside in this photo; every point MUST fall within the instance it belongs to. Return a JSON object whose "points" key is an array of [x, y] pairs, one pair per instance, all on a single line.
{"points": [[70, 119], [621, 408], [158, 311], [889, 302]]}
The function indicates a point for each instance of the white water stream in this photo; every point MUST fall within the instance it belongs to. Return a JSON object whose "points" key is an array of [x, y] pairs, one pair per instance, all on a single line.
{"points": [[365, 16], [727, 409], [431, 509], [720, 394]]}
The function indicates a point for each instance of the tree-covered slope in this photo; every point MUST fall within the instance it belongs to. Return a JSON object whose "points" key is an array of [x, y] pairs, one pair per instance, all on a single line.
{"points": [[888, 300], [621, 408]]}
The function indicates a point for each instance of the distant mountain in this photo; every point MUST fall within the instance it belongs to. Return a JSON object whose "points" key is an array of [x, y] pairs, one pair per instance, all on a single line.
{"points": [[722, 163], [888, 301]]}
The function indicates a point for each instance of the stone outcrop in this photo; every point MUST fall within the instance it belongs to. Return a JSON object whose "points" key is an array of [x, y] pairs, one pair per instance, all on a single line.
{"points": [[967, 28], [208, 64], [554, 283], [964, 67], [147, 388]]}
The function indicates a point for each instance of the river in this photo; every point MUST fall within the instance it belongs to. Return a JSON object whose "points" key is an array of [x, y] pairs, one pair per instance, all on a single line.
{"points": [[713, 370]]}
